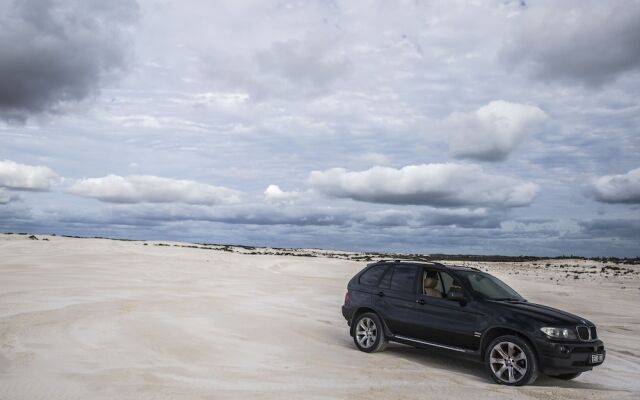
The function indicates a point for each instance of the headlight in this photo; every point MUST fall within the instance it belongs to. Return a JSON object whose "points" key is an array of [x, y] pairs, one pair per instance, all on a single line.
{"points": [[559, 333]]}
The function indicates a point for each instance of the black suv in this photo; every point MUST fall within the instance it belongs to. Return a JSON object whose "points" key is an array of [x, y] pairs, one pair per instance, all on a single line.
{"points": [[471, 312]]}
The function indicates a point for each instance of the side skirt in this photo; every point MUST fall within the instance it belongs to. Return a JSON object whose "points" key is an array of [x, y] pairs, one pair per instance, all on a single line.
{"points": [[423, 343]]}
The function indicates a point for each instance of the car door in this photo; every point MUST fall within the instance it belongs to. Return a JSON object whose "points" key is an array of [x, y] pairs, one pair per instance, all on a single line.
{"points": [[444, 321], [397, 296]]}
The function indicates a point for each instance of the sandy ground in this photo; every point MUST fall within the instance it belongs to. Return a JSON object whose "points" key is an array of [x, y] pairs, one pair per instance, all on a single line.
{"points": [[104, 319]]}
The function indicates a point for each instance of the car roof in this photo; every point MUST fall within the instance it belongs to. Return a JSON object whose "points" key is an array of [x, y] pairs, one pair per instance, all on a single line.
{"points": [[425, 264]]}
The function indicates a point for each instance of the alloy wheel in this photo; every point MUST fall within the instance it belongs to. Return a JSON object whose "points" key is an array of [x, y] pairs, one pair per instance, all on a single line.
{"points": [[508, 362], [366, 332]]}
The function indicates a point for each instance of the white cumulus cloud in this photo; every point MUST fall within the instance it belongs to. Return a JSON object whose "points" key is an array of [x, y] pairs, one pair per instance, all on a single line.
{"points": [[438, 185], [493, 131], [25, 177], [623, 188], [152, 189], [274, 194]]}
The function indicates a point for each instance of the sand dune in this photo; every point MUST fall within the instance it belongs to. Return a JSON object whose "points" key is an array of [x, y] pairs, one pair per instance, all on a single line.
{"points": [[104, 319]]}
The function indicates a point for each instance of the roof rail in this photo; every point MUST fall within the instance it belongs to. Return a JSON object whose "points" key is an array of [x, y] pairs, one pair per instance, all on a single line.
{"points": [[379, 262], [405, 261]]}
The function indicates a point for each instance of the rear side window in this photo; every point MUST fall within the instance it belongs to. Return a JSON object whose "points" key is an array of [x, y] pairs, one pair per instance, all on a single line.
{"points": [[385, 283], [372, 276], [404, 278]]}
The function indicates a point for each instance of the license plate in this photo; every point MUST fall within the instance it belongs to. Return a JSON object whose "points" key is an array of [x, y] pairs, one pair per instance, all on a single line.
{"points": [[597, 358]]}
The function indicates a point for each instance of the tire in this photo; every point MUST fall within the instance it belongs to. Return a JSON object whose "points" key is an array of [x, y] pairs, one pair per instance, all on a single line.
{"points": [[567, 377], [510, 360], [368, 333]]}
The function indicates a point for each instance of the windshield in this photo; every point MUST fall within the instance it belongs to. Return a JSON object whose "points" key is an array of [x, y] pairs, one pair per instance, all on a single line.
{"points": [[489, 286]]}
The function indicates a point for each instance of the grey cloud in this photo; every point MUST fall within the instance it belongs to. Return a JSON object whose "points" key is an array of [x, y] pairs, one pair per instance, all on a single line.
{"points": [[533, 220], [623, 188], [309, 65], [432, 217], [589, 43], [246, 214], [388, 218], [463, 218], [7, 197], [611, 228], [438, 185], [306, 67], [493, 131], [54, 52], [308, 215], [152, 189]]}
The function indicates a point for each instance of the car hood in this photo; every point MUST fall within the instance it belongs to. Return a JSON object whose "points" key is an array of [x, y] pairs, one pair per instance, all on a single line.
{"points": [[546, 315]]}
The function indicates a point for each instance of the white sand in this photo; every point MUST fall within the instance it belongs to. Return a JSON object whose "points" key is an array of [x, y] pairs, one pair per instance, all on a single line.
{"points": [[103, 319]]}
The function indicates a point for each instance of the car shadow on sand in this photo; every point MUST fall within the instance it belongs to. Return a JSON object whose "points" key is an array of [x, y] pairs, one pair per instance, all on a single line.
{"points": [[437, 358]]}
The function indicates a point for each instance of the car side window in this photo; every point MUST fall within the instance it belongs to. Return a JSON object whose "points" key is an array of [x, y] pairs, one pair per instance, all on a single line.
{"points": [[431, 283], [385, 282], [437, 283], [404, 278], [372, 276], [448, 282]]}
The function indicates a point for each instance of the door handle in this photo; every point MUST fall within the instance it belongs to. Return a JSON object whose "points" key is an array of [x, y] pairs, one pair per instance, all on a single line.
{"points": [[421, 301], [381, 294]]}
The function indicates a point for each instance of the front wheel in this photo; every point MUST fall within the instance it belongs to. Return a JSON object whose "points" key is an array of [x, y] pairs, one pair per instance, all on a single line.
{"points": [[369, 333], [510, 361], [567, 377]]}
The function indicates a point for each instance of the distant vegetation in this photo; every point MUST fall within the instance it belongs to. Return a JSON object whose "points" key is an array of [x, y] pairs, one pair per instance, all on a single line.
{"points": [[366, 256]]}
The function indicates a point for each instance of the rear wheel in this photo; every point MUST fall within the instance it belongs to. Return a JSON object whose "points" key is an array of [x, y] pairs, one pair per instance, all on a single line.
{"points": [[510, 361], [567, 377], [369, 333]]}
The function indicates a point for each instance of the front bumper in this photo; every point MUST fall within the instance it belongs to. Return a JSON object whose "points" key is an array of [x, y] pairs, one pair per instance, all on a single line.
{"points": [[557, 357]]}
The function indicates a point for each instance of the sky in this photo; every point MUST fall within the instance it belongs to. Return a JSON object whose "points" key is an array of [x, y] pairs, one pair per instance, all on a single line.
{"points": [[476, 127]]}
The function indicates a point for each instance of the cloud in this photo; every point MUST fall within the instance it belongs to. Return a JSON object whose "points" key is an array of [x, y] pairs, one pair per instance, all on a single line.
{"points": [[493, 131], [295, 68], [310, 65], [438, 185], [624, 188], [152, 189], [459, 217], [17, 176], [243, 214], [373, 159], [387, 218], [54, 52], [610, 228], [7, 197], [589, 43], [273, 193], [288, 214]]}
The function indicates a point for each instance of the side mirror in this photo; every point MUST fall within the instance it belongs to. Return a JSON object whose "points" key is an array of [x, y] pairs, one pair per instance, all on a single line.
{"points": [[456, 294]]}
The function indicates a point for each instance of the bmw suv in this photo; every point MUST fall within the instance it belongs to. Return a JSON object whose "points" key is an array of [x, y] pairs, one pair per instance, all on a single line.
{"points": [[471, 312]]}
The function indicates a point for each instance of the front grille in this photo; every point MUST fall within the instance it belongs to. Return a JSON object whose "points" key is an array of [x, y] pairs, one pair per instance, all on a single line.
{"points": [[594, 334], [583, 333]]}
